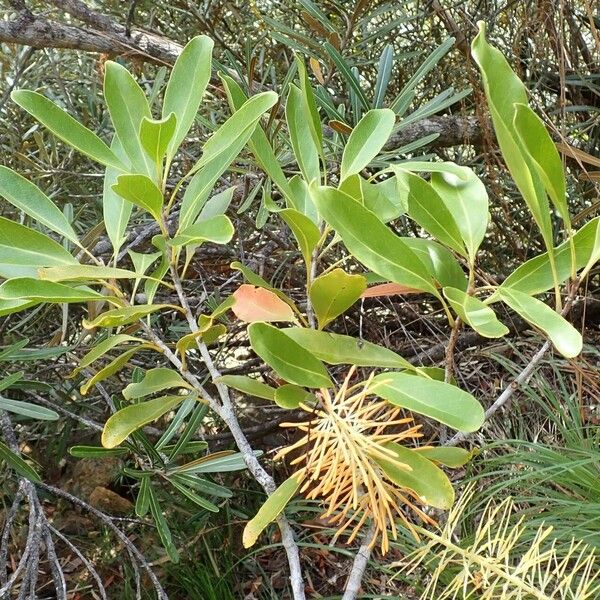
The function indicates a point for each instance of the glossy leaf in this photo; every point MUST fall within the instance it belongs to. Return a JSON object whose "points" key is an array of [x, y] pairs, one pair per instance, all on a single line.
{"points": [[535, 275], [24, 250], [162, 526], [116, 212], [427, 209], [142, 502], [290, 396], [258, 143], [26, 288], [258, 304], [303, 144], [17, 463], [225, 461], [128, 106], [141, 191], [155, 136], [65, 127], [467, 201], [310, 103], [27, 409], [74, 272], [337, 349], [270, 510], [114, 366], [123, 316], [187, 84], [218, 230], [290, 360], [27, 197], [124, 422], [248, 385], [101, 348], [565, 338], [366, 140], [370, 241], [446, 455], [441, 401], [426, 480], [96, 451], [475, 313], [540, 148], [155, 380], [307, 234], [504, 90], [334, 293]]}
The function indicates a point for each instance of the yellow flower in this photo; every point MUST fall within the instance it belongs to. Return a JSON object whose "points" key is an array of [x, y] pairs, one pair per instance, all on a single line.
{"points": [[338, 455]]}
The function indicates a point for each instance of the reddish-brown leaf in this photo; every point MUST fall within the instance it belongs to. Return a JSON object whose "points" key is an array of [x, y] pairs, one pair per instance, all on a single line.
{"points": [[257, 304], [388, 289]]}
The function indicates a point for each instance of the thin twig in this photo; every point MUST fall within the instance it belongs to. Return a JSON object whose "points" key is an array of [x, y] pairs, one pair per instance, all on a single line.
{"points": [[359, 565]]}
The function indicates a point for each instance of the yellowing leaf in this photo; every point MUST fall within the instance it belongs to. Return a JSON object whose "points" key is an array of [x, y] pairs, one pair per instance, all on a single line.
{"points": [[270, 510]]}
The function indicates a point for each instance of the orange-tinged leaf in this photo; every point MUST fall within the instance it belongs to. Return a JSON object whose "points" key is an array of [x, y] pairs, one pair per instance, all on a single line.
{"points": [[388, 289], [258, 304]]}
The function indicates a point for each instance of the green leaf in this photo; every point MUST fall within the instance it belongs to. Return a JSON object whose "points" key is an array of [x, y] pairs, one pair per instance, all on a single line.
{"points": [[24, 250], [314, 122], [26, 288], [116, 212], [366, 140], [259, 143], [347, 75], [8, 307], [27, 197], [155, 136], [155, 380], [193, 497], [504, 90], [290, 396], [441, 401], [337, 349], [141, 191], [225, 461], [142, 502], [307, 234], [535, 275], [123, 316], [65, 127], [384, 72], [475, 313], [218, 204], [542, 152], [248, 385], [187, 84], [565, 338], [74, 272], [439, 261], [303, 144], [127, 105], [96, 451], [10, 380], [101, 348], [124, 422], [114, 366], [370, 241], [467, 201], [162, 526], [446, 455], [17, 463], [218, 230], [246, 117], [270, 510], [428, 482], [290, 360], [225, 148], [334, 293], [27, 409], [427, 209], [381, 198]]}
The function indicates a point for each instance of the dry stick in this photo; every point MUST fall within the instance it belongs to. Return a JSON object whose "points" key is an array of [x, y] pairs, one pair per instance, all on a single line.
{"points": [[226, 412], [359, 565]]}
